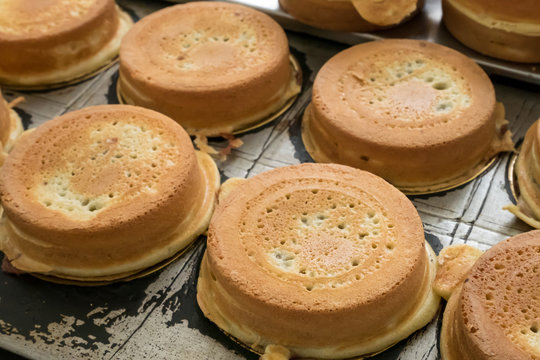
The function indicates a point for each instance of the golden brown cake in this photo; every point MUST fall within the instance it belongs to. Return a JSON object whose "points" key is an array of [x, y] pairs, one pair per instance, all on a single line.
{"points": [[103, 192], [495, 313], [325, 260], [352, 15], [10, 126], [509, 31], [418, 114], [527, 174], [213, 67], [53, 41]]}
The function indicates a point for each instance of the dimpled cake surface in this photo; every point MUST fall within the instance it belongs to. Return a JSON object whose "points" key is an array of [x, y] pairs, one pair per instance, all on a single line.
{"points": [[102, 190], [213, 67], [311, 256], [496, 313], [412, 112], [45, 42]]}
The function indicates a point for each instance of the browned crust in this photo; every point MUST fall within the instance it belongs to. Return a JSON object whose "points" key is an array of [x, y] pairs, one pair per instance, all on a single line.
{"points": [[329, 15], [5, 121], [469, 330], [279, 310], [527, 172], [523, 10], [333, 15], [122, 231], [146, 79], [527, 175], [491, 41], [36, 53], [403, 156]]}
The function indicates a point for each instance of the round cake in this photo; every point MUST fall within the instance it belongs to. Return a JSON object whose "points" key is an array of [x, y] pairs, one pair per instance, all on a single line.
{"points": [[527, 174], [102, 192], [495, 314], [496, 29], [213, 67], [325, 260], [10, 125], [415, 113], [351, 15], [54, 41]]}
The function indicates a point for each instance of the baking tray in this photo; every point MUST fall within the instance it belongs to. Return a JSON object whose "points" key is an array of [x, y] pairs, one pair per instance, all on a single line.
{"points": [[426, 26], [156, 317]]}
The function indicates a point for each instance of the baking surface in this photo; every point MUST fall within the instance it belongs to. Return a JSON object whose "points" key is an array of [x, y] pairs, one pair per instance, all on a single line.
{"points": [[156, 317]]}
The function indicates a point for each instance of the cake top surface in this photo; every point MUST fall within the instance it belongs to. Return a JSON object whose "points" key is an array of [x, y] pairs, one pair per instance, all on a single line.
{"points": [[501, 298], [96, 167], [203, 44], [36, 18], [406, 92], [308, 236]]}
